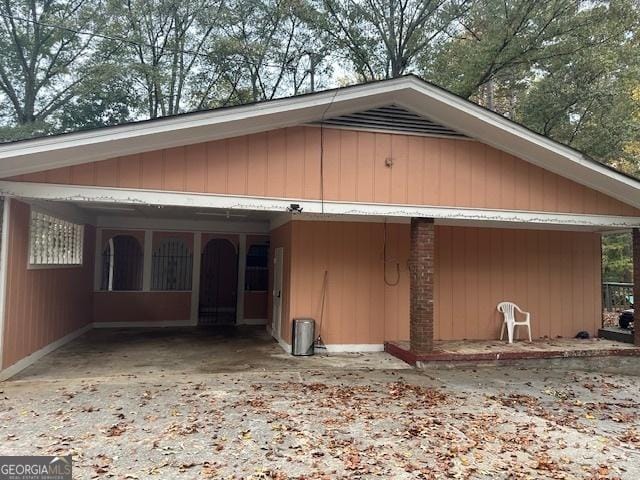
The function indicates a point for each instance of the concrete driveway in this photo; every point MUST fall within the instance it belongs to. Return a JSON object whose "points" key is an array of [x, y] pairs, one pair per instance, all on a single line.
{"points": [[136, 404]]}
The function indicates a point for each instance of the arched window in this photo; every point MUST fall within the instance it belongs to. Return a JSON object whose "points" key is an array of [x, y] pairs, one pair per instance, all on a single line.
{"points": [[172, 265], [122, 264]]}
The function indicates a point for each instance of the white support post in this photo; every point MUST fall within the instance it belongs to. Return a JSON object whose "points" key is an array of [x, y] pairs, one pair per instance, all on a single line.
{"points": [[112, 261], [242, 266], [97, 261], [4, 259], [147, 260], [195, 280]]}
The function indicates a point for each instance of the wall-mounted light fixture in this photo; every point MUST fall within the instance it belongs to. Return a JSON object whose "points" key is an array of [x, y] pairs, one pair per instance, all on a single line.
{"points": [[294, 208]]}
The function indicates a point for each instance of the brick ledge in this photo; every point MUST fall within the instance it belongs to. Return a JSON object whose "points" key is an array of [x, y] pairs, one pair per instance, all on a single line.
{"points": [[405, 355]]}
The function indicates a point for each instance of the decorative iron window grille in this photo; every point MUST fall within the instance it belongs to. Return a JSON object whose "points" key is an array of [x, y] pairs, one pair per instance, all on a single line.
{"points": [[122, 264], [172, 266], [257, 271], [53, 241]]}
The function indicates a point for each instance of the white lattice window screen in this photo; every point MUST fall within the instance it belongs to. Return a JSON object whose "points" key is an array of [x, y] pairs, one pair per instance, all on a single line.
{"points": [[54, 241]]}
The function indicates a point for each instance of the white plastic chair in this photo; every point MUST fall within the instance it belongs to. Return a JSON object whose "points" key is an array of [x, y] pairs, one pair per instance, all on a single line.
{"points": [[508, 310]]}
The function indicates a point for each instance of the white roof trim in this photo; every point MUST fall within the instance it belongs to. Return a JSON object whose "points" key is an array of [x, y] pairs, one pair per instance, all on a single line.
{"points": [[76, 193], [409, 92]]}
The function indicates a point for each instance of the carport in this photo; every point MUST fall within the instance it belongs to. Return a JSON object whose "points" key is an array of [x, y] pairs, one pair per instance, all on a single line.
{"points": [[132, 265]]}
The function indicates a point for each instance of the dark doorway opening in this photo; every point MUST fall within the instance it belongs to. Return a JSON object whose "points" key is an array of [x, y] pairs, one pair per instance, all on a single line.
{"points": [[218, 283]]}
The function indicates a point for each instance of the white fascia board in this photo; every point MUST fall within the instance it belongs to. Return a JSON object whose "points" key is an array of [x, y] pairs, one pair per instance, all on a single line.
{"points": [[72, 149], [452, 222], [325, 209]]}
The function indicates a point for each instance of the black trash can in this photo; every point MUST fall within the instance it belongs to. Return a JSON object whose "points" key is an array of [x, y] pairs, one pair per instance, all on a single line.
{"points": [[303, 336]]}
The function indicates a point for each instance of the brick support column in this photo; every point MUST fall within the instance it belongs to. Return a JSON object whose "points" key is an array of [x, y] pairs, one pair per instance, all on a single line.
{"points": [[636, 285], [421, 266]]}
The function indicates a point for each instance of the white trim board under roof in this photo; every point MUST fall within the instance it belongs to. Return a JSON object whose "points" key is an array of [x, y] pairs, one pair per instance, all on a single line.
{"points": [[84, 195], [408, 92]]}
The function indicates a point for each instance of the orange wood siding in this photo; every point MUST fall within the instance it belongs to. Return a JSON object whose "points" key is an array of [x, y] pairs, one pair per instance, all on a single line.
{"points": [[42, 304], [141, 306], [555, 275], [255, 305], [359, 307], [285, 163]]}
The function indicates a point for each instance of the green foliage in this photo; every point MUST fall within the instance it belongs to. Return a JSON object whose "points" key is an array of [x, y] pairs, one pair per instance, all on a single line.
{"points": [[566, 69], [270, 48], [42, 66], [385, 38], [108, 99], [587, 102], [501, 41], [11, 133], [617, 265], [168, 43]]}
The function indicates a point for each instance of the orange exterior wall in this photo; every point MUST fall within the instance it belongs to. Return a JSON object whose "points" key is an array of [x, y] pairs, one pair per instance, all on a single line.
{"points": [[359, 307], [42, 304], [285, 163], [555, 275], [142, 306], [255, 305]]}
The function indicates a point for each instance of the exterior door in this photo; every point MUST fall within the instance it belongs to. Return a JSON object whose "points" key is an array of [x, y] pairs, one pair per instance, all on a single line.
{"points": [[276, 316], [218, 283]]}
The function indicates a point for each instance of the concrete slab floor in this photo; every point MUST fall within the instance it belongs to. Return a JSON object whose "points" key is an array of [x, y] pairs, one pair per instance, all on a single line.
{"points": [[265, 416], [153, 351]]}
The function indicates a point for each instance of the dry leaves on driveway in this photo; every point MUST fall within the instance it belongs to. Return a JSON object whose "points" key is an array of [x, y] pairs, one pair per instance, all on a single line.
{"points": [[463, 423]]}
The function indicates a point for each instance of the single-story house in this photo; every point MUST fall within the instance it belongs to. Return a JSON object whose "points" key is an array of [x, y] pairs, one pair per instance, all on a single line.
{"points": [[392, 210]]}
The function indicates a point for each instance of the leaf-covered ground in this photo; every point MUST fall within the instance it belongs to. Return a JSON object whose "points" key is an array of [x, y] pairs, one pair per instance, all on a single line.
{"points": [[505, 422]]}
